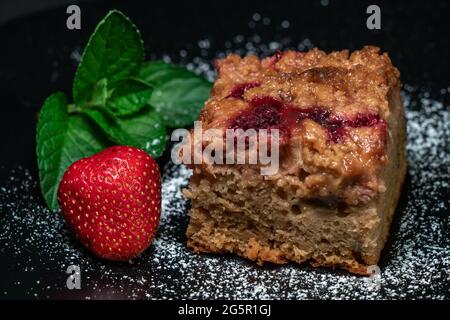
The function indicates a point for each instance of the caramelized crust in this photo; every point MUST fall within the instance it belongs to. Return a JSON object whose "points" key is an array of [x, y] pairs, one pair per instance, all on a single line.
{"points": [[348, 84]]}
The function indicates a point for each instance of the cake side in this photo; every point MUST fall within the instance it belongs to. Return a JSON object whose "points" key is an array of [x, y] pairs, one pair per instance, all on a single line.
{"points": [[394, 173], [342, 160]]}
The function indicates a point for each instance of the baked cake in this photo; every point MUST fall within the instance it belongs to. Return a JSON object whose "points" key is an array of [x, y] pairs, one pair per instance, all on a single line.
{"points": [[342, 160]]}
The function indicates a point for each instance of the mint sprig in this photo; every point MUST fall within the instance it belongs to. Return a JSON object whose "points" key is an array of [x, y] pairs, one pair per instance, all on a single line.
{"points": [[147, 130], [118, 99], [114, 51], [177, 93], [129, 96]]}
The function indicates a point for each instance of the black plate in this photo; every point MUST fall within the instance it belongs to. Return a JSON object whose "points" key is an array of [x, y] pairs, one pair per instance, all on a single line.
{"points": [[38, 56]]}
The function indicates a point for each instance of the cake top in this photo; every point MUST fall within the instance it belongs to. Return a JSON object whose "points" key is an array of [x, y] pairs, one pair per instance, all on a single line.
{"points": [[346, 84], [333, 111]]}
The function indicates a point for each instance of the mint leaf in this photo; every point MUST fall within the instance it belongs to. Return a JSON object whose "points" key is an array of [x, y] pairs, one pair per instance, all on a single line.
{"points": [[61, 140], [114, 51], [129, 96], [100, 93], [109, 126], [179, 101], [178, 94], [147, 129], [144, 130], [158, 72]]}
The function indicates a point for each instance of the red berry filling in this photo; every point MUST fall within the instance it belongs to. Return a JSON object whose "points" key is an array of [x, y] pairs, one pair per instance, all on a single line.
{"points": [[275, 58], [363, 120], [239, 90], [324, 117], [267, 113]]}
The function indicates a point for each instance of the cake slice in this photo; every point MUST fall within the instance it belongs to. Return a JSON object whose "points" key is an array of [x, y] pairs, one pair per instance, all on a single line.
{"points": [[341, 160]]}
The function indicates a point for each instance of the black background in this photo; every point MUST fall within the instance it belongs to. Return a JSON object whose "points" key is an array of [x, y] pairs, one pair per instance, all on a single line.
{"points": [[34, 47]]}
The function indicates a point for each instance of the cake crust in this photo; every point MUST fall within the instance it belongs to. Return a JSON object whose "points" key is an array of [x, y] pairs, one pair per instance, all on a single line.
{"points": [[342, 160]]}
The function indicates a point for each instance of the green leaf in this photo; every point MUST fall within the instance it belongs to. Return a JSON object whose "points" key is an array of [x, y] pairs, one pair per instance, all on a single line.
{"points": [[129, 96], [109, 126], [180, 100], [159, 72], [100, 93], [178, 93], [147, 129], [114, 51], [61, 140], [144, 130]]}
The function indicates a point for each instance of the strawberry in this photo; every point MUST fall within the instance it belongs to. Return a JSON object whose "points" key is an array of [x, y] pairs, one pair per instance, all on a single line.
{"points": [[112, 201]]}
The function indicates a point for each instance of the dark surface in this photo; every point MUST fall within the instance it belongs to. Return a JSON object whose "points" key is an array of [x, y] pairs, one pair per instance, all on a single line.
{"points": [[13, 9], [35, 60]]}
